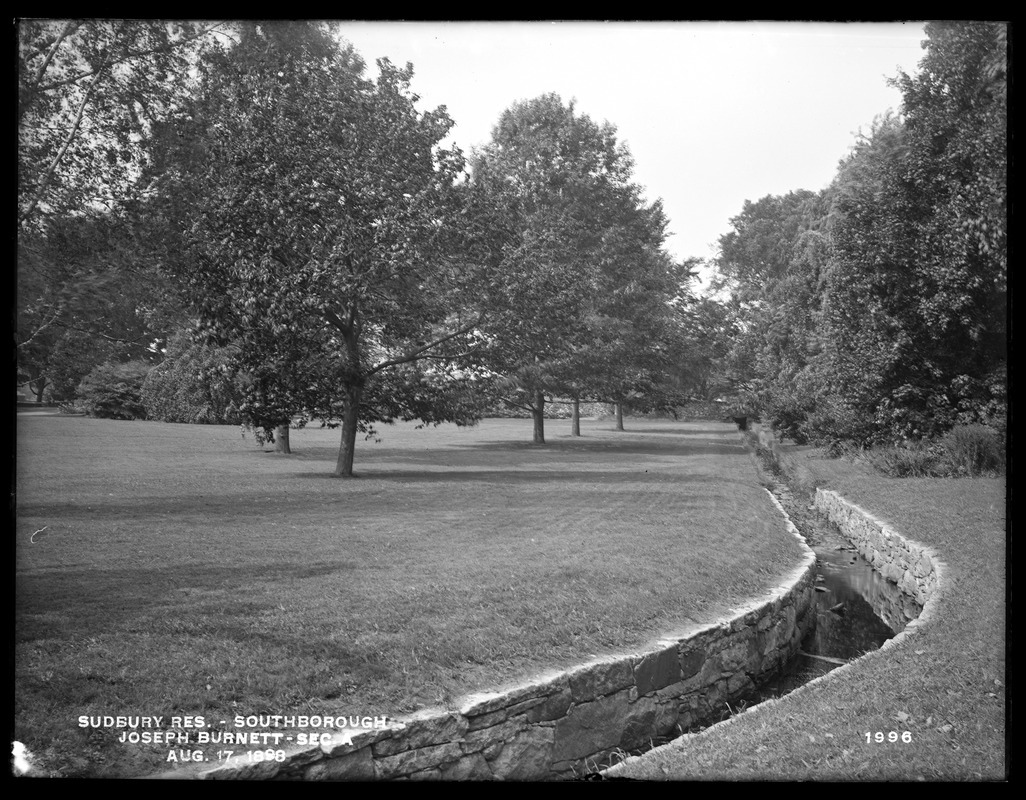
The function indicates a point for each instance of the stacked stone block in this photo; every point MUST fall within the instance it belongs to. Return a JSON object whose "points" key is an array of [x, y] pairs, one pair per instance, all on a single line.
{"points": [[908, 564], [568, 723]]}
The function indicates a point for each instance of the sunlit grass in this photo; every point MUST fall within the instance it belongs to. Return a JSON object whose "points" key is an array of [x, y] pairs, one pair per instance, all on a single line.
{"points": [[171, 569]]}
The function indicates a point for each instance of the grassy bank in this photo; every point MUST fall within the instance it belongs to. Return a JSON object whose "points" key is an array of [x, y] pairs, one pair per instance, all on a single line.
{"points": [[173, 570], [945, 685]]}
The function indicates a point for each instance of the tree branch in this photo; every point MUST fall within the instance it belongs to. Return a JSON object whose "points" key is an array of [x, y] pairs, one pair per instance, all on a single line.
{"points": [[42, 327], [53, 51], [128, 56], [336, 322], [109, 338], [44, 181], [517, 405], [419, 353]]}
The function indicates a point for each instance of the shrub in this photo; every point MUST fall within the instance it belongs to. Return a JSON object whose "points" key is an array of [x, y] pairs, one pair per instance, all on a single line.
{"points": [[974, 450], [114, 391], [194, 384], [909, 460], [834, 423]]}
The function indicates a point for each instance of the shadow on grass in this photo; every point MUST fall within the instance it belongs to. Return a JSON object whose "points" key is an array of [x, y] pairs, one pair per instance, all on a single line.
{"points": [[86, 601], [685, 446], [482, 451], [514, 475], [242, 507]]}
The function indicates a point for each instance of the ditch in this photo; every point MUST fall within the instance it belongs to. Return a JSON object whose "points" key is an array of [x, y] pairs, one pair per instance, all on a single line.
{"points": [[857, 609]]}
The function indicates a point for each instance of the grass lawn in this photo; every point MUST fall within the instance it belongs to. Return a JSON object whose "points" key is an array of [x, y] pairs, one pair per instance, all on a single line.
{"points": [[173, 570], [945, 685]]}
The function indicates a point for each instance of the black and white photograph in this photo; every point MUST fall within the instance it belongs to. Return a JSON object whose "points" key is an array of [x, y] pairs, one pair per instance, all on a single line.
{"points": [[536, 401]]}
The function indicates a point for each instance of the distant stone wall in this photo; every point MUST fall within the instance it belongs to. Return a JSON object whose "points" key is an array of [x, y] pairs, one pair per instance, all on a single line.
{"points": [[912, 566], [565, 723]]}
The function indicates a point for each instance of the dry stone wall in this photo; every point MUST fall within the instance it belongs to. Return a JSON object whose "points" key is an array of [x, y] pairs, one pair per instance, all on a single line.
{"points": [[917, 569], [565, 723], [912, 566]]}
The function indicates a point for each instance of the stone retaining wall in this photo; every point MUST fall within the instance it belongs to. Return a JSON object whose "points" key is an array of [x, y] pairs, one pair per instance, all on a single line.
{"points": [[563, 724], [916, 568], [912, 566]]}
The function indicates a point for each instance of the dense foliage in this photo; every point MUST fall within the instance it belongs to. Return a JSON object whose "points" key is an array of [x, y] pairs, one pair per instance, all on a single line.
{"points": [[319, 211], [85, 299], [344, 265], [579, 287], [195, 383], [875, 311], [114, 390], [91, 94]]}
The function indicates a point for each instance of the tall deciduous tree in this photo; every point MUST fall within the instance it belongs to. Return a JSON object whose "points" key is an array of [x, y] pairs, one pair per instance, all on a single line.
{"points": [[917, 285], [763, 261], [556, 189], [634, 347], [880, 314], [321, 213]]}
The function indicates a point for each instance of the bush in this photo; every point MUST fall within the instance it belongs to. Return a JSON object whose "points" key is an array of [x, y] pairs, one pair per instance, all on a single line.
{"points": [[194, 384], [974, 450], [553, 410], [835, 423], [911, 460], [965, 450], [114, 391]]}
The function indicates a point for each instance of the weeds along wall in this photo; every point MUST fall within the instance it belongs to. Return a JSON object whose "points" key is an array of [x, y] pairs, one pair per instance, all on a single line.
{"points": [[567, 723]]}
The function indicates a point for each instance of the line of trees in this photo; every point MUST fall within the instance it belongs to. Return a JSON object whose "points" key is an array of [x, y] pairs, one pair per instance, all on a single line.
{"points": [[352, 269], [875, 311], [331, 259]]}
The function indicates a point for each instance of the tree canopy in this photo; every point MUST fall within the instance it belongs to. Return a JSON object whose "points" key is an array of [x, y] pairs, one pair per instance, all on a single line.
{"points": [[89, 92], [90, 95], [876, 311], [319, 210], [351, 268], [575, 255]]}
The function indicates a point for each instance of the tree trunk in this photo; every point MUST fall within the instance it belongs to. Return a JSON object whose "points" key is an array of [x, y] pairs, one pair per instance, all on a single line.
{"points": [[538, 412], [281, 438], [350, 419], [39, 388], [619, 416], [575, 418]]}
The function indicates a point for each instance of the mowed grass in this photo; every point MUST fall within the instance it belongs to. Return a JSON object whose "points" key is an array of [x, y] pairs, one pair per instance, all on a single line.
{"points": [[173, 569]]}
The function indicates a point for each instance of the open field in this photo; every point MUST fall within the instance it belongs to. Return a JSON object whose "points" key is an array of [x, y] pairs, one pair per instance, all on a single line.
{"points": [[174, 570], [945, 686]]}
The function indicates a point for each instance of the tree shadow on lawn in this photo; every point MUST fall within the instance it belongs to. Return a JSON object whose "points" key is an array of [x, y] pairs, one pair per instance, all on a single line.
{"points": [[238, 508], [74, 602], [514, 475], [483, 452]]}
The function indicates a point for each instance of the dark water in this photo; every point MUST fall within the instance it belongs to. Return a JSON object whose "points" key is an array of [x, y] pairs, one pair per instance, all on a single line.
{"points": [[857, 610]]}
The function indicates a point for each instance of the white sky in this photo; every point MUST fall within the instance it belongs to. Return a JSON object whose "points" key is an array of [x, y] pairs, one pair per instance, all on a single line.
{"points": [[714, 113]]}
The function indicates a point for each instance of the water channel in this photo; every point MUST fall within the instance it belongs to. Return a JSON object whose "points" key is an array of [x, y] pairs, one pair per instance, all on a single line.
{"points": [[857, 609]]}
